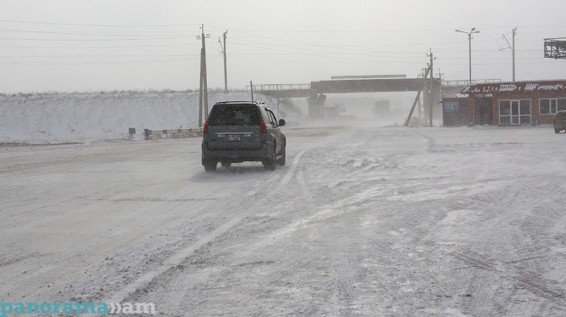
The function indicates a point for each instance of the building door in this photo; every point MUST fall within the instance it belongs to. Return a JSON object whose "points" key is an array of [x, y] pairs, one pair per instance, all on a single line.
{"points": [[482, 110], [485, 108]]}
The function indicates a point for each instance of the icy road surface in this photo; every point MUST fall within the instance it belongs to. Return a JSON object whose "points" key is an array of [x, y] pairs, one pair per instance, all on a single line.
{"points": [[364, 221]]}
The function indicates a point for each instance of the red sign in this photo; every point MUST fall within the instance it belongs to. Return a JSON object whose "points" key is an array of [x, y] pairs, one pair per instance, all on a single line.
{"points": [[522, 87]]}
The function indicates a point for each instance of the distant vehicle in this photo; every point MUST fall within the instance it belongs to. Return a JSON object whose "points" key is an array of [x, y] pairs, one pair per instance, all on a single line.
{"points": [[560, 121], [239, 131]]}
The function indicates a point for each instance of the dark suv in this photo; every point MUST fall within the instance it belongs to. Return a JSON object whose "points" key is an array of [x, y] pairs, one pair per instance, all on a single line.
{"points": [[560, 121], [238, 131]]}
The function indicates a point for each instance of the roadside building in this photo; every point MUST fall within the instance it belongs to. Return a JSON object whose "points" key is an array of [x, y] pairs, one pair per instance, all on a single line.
{"points": [[514, 103], [455, 112]]}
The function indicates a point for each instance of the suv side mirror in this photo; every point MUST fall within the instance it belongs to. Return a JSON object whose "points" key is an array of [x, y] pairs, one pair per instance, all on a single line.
{"points": [[281, 122]]}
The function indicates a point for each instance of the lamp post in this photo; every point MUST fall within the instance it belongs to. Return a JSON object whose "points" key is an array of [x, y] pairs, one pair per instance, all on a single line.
{"points": [[472, 31]]}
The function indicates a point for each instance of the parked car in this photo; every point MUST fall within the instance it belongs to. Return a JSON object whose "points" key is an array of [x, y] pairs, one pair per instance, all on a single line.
{"points": [[239, 131], [560, 121]]}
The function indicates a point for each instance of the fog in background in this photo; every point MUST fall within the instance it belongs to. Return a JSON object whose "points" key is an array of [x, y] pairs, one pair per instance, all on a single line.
{"points": [[80, 45], [376, 109]]}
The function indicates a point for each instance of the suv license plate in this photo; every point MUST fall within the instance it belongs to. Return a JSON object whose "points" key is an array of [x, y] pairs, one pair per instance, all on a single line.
{"points": [[234, 137]]}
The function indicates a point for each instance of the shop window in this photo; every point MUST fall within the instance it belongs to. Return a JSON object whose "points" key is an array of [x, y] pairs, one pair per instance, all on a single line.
{"points": [[514, 112], [505, 107], [544, 106], [549, 106]]}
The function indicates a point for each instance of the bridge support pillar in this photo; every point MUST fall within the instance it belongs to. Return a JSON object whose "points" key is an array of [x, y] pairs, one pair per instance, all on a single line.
{"points": [[436, 103], [317, 106], [432, 97]]}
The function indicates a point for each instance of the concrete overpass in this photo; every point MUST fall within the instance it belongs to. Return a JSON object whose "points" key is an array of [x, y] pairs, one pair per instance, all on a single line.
{"points": [[342, 86], [316, 91]]}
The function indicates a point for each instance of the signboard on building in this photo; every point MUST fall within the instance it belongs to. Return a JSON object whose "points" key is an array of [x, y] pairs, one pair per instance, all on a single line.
{"points": [[452, 106], [517, 87]]}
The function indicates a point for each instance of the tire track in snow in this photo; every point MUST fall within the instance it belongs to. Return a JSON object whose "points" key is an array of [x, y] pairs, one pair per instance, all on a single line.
{"points": [[523, 261], [177, 258], [161, 289], [532, 283], [291, 172]]}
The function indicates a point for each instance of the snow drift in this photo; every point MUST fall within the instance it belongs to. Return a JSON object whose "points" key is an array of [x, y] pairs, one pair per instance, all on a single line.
{"points": [[78, 117]]}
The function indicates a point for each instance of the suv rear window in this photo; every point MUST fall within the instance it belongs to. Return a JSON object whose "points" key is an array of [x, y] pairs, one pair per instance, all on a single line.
{"points": [[561, 114], [234, 116]]}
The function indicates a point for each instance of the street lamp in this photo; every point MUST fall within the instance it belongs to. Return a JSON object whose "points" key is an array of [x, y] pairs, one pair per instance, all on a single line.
{"points": [[472, 31]]}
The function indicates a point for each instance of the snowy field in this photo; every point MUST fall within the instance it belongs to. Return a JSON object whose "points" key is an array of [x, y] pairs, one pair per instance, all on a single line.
{"points": [[373, 221], [85, 117]]}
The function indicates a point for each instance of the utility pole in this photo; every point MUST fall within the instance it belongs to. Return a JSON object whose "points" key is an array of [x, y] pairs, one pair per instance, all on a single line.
{"points": [[420, 107], [418, 98], [514, 33], [512, 47], [223, 47], [203, 89], [431, 88]]}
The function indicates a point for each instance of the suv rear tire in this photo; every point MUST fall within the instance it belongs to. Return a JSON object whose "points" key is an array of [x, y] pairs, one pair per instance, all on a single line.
{"points": [[282, 159], [269, 165], [269, 162], [210, 166]]}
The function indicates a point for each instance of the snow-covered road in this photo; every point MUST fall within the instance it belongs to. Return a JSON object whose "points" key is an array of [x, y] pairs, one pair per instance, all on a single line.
{"points": [[361, 221]]}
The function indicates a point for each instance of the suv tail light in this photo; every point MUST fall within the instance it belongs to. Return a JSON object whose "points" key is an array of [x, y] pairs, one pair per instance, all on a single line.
{"points": [[205, 129], [262, 126]]}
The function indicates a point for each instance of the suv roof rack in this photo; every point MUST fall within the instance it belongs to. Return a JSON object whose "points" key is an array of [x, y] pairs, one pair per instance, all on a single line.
{"points": [[242, 101]]}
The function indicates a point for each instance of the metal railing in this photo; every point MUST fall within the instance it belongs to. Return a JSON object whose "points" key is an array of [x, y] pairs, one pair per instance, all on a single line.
{"points": [[464, 83], [279, 87], [170, 133]]}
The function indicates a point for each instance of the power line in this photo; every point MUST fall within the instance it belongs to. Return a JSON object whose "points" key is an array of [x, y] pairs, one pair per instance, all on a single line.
{"points": [[97, 47], [105, 55], [92, 40], [91, 63], [131, 33], [97, 25]]}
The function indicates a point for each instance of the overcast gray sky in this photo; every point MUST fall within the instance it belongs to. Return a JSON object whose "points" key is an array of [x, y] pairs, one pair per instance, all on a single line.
{"points": [[90, 45]]}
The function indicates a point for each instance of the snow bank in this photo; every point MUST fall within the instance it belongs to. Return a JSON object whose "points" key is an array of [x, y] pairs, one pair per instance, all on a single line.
{"points": [[80, 117]]}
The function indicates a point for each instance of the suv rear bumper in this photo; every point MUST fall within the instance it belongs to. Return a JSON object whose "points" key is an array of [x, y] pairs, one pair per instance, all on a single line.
{"points": [[234, 156]]}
